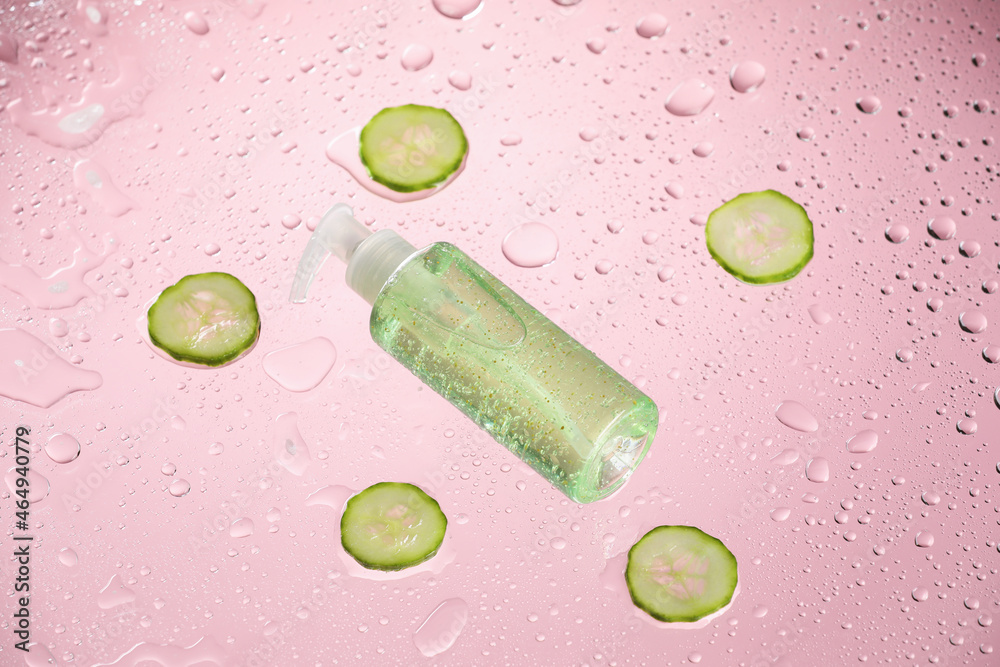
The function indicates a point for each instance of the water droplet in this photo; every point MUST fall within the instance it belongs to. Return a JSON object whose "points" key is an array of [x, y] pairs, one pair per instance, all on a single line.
{"points": [[818, 470], [920, 594], [460, 79], [780, 513], [747, 76], [991, 353], [785, 457], [242, 527], [869, 104], [604, 266], [216, 448], [967, 426], [458, 9], [68, 557], [972, 321], [179, 488], [8, 48], [863, 442], [531, 245], [690, 98], [290, 449], [971, 604], [510, 139], [665, 273], [795, 415], [760, 611], [558, 543], [62, 448], [819, 314], [942, 228], [930, 498], [978, 59], [806, 134], [211, 249], [33, 372], [924, 539], [94, 179], [970, 249], [652, 26], [596, 45], [115, 594], [416, 57], [217, 73], [675, 190], [904, 354], [196, 23], [302, 366], [703, 149], [334, 496], [442, 627], [897, 233]]}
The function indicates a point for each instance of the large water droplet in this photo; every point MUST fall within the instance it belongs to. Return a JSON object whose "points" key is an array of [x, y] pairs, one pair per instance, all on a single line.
{"points": [[942, 228], [68, 557], [531, 245], [62, 448], [780, 513], [795, 415], [869, 104], [785, 457], [991, 353], [924, 539], [458, 9], [819, 314], [302, 366], [967, 426], [241, 528], [652, 26], [442, 627], [115, 594], [196, 23], [747, 76], [930, 498], [972, 321], [179, 488], [863, 442], [920, 594], [818, 470], [416, 57], [897, 233], [690, 98], [33, 372]]}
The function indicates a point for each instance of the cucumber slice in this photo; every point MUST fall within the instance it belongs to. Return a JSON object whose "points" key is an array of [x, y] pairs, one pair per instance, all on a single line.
{"points": [[412, 147], [392, 526], [206, 318], [680, 574], [760, 237]]}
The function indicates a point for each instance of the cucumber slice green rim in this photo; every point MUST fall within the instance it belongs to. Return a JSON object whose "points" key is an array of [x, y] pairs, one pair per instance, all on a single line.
{"points": [[679, 574], [209, 319], [760, 237], [392, 526], [412, 147]]}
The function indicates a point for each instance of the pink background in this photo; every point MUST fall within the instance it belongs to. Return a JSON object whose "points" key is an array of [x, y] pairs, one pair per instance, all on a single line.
{"points": [[211, 157]]}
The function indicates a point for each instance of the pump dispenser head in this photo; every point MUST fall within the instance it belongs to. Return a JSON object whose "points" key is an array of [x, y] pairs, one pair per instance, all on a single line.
{"points": [[371, 257]]}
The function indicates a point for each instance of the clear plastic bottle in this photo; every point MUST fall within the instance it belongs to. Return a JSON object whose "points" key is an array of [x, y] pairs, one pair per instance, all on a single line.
{"points": [[509, 368]]}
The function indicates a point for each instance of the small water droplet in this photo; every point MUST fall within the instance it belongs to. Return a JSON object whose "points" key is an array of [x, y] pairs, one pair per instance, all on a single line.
{"points": [[458, 9], [68, 557], [196, 23], [242, 527]]}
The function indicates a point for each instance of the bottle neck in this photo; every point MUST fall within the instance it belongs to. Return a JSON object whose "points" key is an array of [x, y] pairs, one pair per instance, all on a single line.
{"points": [[375, 260]]}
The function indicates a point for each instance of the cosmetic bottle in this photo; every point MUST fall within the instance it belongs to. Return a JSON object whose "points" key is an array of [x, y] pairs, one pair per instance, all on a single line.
{"points": [[510, 369]]}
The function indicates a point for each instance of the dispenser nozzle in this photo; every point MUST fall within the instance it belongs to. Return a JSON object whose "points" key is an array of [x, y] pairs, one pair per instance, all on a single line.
{"points": [[339, 233]]}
